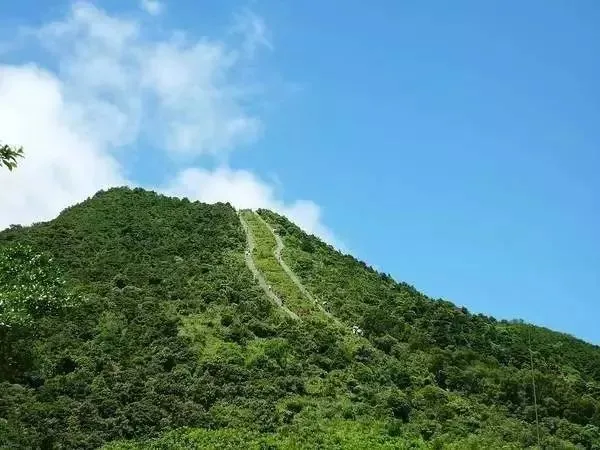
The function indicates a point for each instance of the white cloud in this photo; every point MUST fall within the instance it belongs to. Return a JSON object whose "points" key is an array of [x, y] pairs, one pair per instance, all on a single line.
{"points": [[62, 164], [152, 7], [243, 189], [185, 91], [114, 86], [203, 111]]}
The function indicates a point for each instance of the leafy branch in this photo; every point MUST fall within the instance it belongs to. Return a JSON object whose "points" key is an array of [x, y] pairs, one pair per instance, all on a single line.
{"points": [[9, 156]]}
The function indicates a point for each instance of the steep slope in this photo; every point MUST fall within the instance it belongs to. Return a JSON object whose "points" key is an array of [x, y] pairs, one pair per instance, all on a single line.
{"points": [[143, 314], [482, 359]]}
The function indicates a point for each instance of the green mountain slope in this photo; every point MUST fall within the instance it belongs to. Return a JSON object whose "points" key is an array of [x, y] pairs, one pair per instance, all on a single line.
{"points": [[135, 320]]}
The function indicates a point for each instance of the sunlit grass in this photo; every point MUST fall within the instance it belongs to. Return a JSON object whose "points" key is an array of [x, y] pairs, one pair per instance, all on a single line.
{"points": [[280, 282]]}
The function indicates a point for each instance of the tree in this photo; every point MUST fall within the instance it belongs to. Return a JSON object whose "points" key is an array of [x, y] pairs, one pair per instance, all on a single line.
{"points": [[30, 286], [9, 155]]}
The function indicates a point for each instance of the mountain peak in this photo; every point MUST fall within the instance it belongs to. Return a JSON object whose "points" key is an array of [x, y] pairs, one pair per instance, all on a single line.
{"points": [[153, 320]]}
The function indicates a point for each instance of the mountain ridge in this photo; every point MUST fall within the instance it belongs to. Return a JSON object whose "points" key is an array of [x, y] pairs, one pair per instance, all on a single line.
{"points": [[171, 330]]}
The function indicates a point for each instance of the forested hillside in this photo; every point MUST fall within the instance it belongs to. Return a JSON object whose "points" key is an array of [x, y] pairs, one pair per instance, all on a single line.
{"points": [[133, 320]]}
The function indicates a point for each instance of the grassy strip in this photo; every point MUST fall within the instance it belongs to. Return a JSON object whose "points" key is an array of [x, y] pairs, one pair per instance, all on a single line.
{"points": [[280, 282]]}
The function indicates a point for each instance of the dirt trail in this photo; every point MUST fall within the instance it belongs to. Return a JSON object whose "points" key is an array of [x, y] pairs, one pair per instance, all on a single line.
{"points": [[257, 275]]}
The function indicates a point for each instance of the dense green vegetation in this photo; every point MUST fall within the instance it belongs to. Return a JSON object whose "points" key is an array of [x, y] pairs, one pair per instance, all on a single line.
{"points": [[132, 321]]}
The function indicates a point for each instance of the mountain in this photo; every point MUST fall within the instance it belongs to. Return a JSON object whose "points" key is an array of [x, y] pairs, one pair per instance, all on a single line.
{"points": [[135, 320]]}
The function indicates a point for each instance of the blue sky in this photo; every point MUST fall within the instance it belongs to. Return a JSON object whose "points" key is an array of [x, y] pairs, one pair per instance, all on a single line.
{"points": [[452, 145]]}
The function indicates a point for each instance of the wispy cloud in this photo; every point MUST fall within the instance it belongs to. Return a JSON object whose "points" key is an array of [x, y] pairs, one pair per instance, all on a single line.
{"points": [[152, 7], [186, 89], [254, 31]]}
